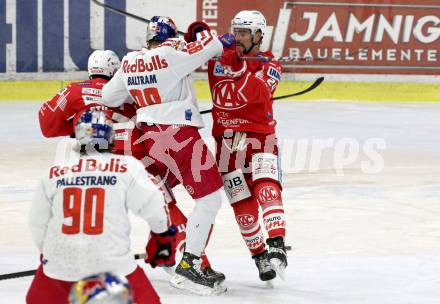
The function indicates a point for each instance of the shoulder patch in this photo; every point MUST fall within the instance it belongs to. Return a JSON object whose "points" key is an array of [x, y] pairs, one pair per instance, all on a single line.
{"points": [[83, 84], [273, 73], [218, 69]]}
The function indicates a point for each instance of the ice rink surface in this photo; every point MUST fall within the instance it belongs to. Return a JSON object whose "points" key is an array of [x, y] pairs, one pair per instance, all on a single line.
{"points": [[361, 191]]}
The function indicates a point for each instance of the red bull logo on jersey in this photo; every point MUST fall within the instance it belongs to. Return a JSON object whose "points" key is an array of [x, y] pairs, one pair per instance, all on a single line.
{"points": [[145, 64], [89, 165]]}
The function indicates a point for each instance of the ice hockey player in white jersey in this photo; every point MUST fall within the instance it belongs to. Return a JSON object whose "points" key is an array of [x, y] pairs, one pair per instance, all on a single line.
{"points": [[79, 221], [157, 80]]}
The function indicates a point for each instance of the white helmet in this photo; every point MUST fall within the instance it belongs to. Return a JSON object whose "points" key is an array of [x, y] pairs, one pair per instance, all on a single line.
{"points": [[103, 62], [253, 20]]}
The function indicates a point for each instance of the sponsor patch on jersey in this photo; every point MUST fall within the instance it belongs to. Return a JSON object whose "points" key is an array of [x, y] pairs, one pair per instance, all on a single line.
{"points": [[218, 69], [121, 135], [91, 91], [273, 73], [91, 99], [145, 64]]}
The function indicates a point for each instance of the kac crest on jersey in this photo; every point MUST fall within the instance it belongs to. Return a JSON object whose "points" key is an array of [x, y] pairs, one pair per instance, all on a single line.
{"points": [[225, 97]]}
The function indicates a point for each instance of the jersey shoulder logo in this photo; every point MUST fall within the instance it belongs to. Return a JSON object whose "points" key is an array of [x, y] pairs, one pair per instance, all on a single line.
{"points": [[218, 69], [273, 73]]}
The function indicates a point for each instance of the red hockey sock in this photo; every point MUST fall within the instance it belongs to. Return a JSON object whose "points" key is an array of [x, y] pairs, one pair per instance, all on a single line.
{"points": [[205, 261], [246, 215], [268, 194], [179, 220]]}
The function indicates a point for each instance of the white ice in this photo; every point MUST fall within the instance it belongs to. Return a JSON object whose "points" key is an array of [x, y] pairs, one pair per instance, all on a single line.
{"points": [[358, 237]]}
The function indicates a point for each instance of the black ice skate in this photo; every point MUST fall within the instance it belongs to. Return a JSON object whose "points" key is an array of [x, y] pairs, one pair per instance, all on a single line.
{"points": [[216, 275], [265, 269], [190, 277], [277, 255]]}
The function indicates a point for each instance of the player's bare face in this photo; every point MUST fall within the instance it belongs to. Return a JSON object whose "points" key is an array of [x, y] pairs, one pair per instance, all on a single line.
{"points": [[245, 40], [243, 37]]}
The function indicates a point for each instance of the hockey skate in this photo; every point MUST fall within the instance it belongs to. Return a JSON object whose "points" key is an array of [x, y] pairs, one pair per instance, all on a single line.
{"points": [[216, 275], [277, 255], [265, 270], [190, 277]]}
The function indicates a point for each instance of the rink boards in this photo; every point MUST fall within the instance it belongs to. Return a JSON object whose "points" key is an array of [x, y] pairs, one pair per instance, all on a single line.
{"points": [[327, 91]]}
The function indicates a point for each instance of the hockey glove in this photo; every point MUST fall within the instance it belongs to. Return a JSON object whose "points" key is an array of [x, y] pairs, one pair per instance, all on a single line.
{"points": [[193, 29], [233, 66], [228, 40], [161, 248]]}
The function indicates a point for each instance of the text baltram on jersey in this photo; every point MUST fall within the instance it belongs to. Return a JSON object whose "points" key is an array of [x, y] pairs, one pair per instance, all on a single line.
{"points": [[158, 80]]}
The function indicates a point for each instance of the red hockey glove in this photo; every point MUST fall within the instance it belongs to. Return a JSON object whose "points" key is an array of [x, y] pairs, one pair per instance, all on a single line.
{"points": [[161, 248], [233, 66], [193, 29]]}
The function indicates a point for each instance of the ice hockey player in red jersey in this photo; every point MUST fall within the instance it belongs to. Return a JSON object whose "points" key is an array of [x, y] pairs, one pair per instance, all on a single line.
{"points": [[79, 216], [244, 130], [56, 115], [157, 80]]}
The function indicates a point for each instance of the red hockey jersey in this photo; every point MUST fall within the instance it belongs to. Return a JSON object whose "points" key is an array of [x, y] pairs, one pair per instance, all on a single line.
{"points": [[56, 115], [244, 103]]}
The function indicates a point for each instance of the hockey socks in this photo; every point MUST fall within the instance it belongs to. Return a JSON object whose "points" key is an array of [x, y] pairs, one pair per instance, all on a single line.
{"points": [[200, 221], [246, 215], [268, 195]]}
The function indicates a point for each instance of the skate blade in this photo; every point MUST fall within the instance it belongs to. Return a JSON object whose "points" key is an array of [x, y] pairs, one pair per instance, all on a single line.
{"points": [[182, 283], [279, 268]]}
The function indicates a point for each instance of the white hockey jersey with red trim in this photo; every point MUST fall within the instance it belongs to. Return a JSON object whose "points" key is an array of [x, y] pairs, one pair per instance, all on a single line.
{"points": [[79, 219], [159, 83]]}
